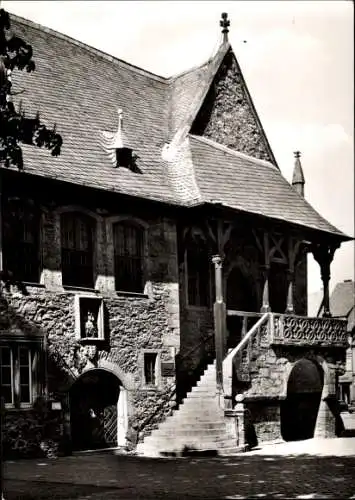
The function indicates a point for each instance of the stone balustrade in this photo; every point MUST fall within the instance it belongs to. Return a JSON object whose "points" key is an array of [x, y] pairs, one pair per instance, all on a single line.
{"points": [[304, 331]]}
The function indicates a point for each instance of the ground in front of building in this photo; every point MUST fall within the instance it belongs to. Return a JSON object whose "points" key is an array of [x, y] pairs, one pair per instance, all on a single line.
{"points": [[316, 468]]}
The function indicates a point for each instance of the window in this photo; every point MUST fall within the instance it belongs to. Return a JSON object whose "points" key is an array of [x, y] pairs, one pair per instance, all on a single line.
{"points": [[150, 368], [21, 240], [18, 371], [198, 272], [128, 251], [77, 250]]}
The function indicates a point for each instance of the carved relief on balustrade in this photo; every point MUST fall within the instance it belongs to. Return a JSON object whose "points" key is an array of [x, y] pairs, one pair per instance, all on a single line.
{"points": [[299, 330]]}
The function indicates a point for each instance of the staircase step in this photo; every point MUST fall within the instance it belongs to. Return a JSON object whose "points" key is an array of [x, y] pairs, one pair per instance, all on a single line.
{"points": [[207, 424], [176, 433], [196, 426], [179, 447], [200, 424], [165, 442], [204, 389], [201, 406], [207, 396]]}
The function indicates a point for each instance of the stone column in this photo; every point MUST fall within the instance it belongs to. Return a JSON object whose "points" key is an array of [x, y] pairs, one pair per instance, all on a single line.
{"points": [[219, 310], [352, 354], [326, 419], [323, 254], [235, 423], [1, 242], [265, 270], [289, 306]]}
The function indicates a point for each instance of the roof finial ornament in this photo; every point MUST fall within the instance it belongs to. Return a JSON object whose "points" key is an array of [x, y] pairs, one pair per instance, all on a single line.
{"points": [[298, 177], [225, 23], [119, 138]]}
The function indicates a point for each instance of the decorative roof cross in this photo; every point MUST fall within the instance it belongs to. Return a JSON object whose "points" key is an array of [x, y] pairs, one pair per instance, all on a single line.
{"points": [[225, 23], [297, 154]]}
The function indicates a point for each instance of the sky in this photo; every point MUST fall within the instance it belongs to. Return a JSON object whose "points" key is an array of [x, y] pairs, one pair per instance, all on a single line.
{"points": [[298, 62]]}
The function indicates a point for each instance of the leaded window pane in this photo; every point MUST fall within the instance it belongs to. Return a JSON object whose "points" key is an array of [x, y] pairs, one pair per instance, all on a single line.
{"points": [[77, 250], [21, 240], [128, 251]]}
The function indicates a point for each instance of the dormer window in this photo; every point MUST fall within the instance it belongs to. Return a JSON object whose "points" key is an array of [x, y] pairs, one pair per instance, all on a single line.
{"points": [[124, 157], [118, 148]]}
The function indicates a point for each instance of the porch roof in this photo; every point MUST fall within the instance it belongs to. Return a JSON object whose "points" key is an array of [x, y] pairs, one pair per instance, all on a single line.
{"points": [[241, 182]]}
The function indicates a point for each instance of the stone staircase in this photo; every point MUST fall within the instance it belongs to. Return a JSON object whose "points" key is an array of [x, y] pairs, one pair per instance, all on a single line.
{"points": [[198, 426]]}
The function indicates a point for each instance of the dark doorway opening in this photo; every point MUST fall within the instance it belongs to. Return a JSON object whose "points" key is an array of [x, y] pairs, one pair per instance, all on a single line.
{"points": [[300, 409], [93, 410], [241, 296]]}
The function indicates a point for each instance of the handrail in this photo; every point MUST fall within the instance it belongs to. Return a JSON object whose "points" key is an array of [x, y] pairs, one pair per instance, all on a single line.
{"points": [[243, 314], [228, 360], [194, 348]]}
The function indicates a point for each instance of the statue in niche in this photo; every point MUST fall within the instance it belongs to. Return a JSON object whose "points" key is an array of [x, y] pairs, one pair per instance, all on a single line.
{"points": [[90, 326]]}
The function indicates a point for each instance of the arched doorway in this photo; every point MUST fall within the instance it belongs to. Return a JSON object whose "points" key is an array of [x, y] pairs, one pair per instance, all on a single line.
{"points": [[241, 296], [94, 405], [300, 409]]}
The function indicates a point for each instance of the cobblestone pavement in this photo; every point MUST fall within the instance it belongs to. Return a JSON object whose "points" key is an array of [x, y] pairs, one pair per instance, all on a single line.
{"points": [[313, 469]]}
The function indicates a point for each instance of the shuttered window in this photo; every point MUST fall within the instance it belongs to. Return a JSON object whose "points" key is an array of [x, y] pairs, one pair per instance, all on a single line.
{"points": [[77, 250], [128, 251]]}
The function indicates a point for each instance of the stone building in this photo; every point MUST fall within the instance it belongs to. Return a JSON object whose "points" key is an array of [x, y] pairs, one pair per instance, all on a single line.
{"points": [[342, 305], [108, 320]]}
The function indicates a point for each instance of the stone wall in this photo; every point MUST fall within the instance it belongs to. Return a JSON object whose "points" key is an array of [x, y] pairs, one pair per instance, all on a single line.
{"points": [[265, 418], [266, 387], [227, 115], [132, 323]]}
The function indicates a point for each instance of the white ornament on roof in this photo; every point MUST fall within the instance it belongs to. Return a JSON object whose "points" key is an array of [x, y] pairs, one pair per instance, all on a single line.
{"points": [[113, 140]]}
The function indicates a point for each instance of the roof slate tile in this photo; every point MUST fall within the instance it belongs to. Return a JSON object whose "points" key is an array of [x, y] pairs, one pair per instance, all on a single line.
{"points": [[80, 88]]}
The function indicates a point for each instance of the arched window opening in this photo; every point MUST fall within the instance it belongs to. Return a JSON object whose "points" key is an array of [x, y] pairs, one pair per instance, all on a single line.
{"points": [[128, 252], [21, 240], [198, 271], [77, 231], [278, 287]]}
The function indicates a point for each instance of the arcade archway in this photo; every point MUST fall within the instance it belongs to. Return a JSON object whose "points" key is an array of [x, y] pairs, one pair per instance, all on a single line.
{"points": [[299, 411], [96, 410]]}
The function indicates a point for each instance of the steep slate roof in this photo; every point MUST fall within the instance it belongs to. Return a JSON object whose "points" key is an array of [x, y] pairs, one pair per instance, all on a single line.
{"points": [[258, 187], [342, 299], [80, 89], [342, 302]]}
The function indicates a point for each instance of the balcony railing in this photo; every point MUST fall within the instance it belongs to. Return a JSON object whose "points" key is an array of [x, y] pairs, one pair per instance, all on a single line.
{"points": [[305, 331], [296, 330], [262, 330]]}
